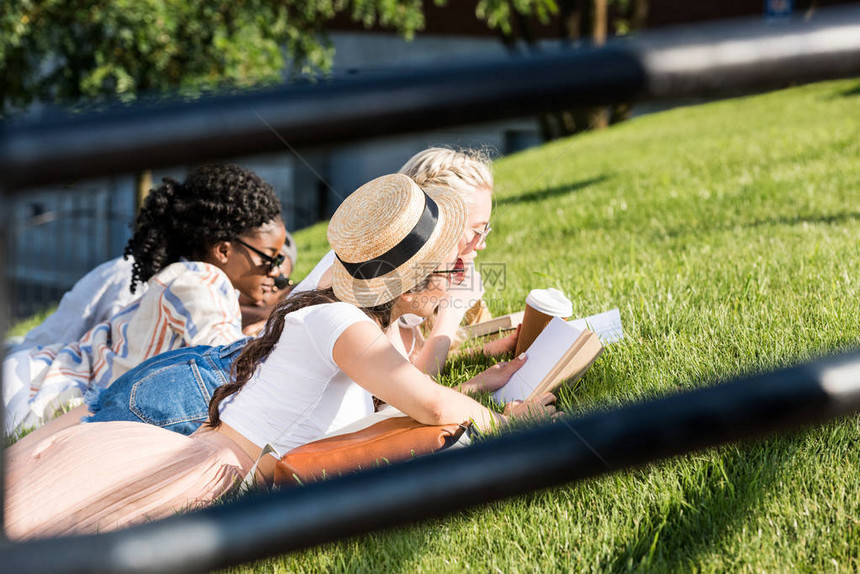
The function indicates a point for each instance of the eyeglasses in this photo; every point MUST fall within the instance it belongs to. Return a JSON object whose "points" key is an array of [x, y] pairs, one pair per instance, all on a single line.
{"points": [[480, 234], [271, 262], [455, 275]]}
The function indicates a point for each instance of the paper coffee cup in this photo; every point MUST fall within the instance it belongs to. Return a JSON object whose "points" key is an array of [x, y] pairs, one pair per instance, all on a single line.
{"points": [[541, 306]]}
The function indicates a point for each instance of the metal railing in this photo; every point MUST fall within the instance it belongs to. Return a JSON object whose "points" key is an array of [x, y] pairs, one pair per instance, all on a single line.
{"points": [[696, 61], [707, 60], [297, 518]]}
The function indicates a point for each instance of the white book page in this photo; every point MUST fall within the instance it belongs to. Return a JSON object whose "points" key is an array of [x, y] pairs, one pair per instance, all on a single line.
{"points": [[607, 326], [543, 355]]}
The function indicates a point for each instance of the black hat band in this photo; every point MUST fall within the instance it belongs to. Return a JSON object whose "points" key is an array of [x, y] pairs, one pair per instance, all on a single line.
{"points": [[403, 251]]}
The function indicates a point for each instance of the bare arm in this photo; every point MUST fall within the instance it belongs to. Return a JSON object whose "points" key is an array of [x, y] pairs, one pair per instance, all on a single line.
{"points": [[506, 344], [433, 353], [365, 355], [461, 297]]}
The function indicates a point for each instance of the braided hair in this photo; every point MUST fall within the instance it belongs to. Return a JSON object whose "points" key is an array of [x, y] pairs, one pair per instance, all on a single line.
{"points": [[216, 202], [465, 171]]}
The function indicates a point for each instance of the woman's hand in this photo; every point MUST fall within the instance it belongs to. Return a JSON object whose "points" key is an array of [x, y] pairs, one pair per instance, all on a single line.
{"points": [[463, 296], [506, 344], [538, 407], [254, 329], [434, 351], [494, 378]]}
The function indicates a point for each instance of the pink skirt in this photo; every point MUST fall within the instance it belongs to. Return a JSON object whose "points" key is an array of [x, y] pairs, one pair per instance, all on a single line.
{"points": [[97, 477]]}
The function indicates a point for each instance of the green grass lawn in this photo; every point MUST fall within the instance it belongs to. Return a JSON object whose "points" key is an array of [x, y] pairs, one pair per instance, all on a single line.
{"points": [[727, 235]]}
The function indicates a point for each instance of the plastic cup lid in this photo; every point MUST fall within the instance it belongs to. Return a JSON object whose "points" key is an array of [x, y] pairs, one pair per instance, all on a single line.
{"points": [[550, 302]]}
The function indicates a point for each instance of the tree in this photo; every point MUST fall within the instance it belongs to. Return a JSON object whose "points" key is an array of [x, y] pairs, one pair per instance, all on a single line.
{"points": [[582, 22], [61, 51]]}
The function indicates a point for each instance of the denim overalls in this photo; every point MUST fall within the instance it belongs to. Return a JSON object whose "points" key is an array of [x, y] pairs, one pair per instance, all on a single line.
{"points": [[170, 390]]}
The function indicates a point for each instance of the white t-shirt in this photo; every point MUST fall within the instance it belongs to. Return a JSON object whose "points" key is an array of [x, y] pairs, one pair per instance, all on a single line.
{"points": [[312, 280], [299, 393]]}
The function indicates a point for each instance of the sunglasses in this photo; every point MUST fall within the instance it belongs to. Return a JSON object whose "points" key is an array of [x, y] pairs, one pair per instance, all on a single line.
{"points": [[481, 234], [268, 260], [455, 275]]}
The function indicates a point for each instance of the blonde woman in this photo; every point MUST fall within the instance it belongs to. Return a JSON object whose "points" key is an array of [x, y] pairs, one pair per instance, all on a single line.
{"points": [[469, 174], [321, 360]]}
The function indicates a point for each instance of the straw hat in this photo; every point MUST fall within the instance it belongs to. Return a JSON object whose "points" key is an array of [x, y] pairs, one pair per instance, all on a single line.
{"points": [[388, 235]]}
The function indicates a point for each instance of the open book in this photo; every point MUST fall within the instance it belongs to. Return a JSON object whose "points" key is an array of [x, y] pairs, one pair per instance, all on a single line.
{"points": [[495, 325], [606, 325], [560, 353]]}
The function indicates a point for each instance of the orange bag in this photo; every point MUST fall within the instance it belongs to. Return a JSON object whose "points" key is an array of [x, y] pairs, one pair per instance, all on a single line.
{"points": [[391, 440]]}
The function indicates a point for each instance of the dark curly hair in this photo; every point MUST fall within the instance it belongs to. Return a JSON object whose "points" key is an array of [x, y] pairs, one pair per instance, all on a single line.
{"points": [[216, 202]]}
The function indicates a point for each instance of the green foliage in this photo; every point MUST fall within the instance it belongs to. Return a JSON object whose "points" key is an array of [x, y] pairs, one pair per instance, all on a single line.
{"points": [[727, 236], [60, 51], [63, 51], [23, 327], [499, 13]]}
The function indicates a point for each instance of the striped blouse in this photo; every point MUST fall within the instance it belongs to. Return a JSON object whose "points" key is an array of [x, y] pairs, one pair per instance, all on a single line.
{"points": [[188, 303]]}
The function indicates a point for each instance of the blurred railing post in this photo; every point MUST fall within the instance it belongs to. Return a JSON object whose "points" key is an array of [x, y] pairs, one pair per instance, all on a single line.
{"points": [[4, 327], [142, 185]]}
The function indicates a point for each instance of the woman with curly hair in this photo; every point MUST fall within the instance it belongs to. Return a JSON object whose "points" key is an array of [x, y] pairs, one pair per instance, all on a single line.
{"points": [[196, 244]]}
